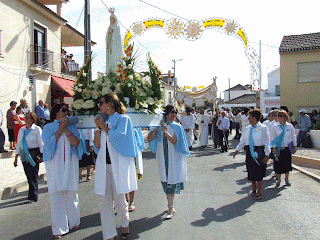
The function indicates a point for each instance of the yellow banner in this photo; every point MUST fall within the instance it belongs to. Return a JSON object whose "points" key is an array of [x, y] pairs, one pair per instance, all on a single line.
{"points": [[243, 36], [126, 40], [187, 87], [200, 87], [154, 23], [215, 22]]}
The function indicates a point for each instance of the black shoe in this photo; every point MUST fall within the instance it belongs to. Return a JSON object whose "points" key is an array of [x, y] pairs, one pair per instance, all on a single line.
{"points": [[4, 151], [221, 151]]}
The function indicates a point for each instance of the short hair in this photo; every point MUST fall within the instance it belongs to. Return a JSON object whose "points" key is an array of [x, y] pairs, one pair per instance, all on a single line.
{"points": [[33, 115], [18, 108], [12, 103], [22, 100], [285, 108], [40, 101], [55, 109], [246, 109], [167, 109], [275, 112], [256, 113], [283, 113]]}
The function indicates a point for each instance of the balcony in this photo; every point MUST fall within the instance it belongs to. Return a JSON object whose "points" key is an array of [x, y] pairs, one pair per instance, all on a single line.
{"points": [[70, 68], [41, 59]]}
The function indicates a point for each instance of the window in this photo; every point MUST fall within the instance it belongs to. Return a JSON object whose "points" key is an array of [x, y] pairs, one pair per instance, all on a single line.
{"points": [[277, 90], [308, 72], [39, 43], [170, 98]]}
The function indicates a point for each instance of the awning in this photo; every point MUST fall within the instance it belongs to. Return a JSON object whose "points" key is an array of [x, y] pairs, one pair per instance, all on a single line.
{"points": [[64, 85], [71, 37]]}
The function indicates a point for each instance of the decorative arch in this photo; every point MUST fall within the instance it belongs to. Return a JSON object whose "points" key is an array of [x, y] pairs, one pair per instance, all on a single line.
{"points": [[193, 30]]}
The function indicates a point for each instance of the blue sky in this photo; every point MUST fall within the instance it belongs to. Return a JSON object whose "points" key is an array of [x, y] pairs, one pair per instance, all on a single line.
{"points": [[215, 53]]}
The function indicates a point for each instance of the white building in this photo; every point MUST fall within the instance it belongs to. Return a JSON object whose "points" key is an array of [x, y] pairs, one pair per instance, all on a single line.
{"points": [[271, 98], [31, 64]]}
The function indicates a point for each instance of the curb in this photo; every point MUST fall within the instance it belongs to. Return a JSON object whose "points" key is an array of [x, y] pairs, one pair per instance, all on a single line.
{"points": [[13, 191], [305, 160]]}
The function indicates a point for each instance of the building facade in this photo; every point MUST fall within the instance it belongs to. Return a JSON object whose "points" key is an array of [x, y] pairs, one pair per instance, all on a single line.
{"points": [[300, 72], [32, 38], [271, 98]]}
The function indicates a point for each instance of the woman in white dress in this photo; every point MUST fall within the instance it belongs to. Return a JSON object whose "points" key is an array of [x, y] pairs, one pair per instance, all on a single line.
{"points": [[115, 168], [171, 148], [61, 155]]}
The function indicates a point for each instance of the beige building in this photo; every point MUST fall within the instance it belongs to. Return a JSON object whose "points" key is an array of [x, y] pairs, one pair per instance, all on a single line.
{"points": [[300, 72], [31, 64]]}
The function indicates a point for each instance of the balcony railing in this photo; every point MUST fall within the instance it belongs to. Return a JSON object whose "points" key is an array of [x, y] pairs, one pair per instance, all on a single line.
{"points": [[69, 67], [41, 57]]}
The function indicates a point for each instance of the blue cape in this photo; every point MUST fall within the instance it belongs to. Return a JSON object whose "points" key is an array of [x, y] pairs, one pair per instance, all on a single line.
{"points": [[181, 144], [49, 140], [121, 135], [139, 138]]}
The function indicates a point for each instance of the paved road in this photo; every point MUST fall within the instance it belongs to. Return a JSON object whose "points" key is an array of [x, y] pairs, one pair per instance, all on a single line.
{"points": [[216, 204]]}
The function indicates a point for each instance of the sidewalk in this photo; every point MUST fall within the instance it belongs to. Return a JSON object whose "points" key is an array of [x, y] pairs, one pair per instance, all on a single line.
{"points": [[14, 179]]}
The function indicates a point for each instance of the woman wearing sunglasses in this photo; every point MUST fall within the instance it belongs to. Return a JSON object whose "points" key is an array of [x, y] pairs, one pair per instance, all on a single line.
{"points": [[284, 142], [171, 148], [115, 168], [61, 155]]}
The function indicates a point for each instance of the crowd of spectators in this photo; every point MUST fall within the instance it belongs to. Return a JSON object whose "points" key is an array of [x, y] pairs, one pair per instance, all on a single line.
{"points": [[16, 120], [68, 64]]}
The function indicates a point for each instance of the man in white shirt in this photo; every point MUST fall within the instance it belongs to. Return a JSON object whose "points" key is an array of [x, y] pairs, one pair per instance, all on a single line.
{"points": [[223, 124]]}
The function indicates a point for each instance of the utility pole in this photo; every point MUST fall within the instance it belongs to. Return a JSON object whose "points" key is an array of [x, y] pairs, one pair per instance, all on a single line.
{"points": [[87, 35], [229, 89], [174, 78], [260, 78]]}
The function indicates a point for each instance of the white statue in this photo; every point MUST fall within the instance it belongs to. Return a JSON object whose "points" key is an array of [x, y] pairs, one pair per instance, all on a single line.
{"points": [[113, 43]]}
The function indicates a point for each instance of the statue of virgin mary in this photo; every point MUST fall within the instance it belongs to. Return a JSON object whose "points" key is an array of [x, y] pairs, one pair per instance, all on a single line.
{"points": [[113, 43]]}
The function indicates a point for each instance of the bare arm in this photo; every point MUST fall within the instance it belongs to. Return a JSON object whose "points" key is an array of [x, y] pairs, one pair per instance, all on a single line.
{"points": [[74, 141], [153, 134]]}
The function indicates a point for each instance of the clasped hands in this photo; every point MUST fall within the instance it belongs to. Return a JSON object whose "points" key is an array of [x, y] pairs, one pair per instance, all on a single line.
{"points": [[101, 124]]}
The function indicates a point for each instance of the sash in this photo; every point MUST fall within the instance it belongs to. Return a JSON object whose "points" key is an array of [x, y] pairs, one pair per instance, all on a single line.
{"points": [[251, 146], [279, 140], [25, 155]]}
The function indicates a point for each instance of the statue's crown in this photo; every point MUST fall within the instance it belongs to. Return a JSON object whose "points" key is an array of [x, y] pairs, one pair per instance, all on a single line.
{"points": [[111, 10]]}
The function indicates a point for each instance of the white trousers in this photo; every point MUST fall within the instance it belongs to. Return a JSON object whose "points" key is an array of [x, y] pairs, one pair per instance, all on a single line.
{"points": [[110, 222], [64, 208]]}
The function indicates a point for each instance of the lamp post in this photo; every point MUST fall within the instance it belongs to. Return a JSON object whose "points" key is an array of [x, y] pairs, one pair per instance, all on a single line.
{"points": [[174, 78]]}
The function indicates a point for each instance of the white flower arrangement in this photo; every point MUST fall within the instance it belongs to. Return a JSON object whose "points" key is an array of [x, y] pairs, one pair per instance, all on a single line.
{"points": [[124, 82]]}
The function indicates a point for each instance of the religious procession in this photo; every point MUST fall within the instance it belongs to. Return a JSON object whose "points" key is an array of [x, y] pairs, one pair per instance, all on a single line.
{"points": [[126, 128]]}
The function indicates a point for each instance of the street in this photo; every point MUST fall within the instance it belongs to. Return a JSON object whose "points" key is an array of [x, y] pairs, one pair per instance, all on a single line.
{"points": [[216, 204]]}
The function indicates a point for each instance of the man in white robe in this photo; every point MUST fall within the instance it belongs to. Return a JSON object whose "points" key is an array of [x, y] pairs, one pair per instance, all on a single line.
{"points": [[188, 126], [203, 120]]}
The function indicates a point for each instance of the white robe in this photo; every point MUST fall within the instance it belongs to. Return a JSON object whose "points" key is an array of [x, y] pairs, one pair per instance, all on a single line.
{"points": [[188, 123], [123, 169], [63, 168], [139, 163], [177, 168], [203, 129]]}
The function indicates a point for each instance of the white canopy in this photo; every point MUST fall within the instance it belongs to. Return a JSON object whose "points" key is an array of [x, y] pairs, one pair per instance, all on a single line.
{"points": [[198, 97]]}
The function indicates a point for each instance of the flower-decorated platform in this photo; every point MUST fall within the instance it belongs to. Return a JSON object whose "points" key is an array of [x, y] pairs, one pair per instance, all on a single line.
{"points": [[141, 93]]}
